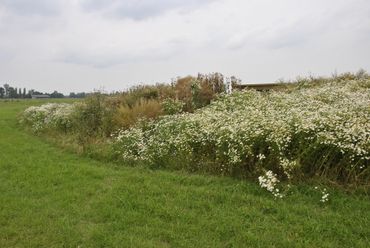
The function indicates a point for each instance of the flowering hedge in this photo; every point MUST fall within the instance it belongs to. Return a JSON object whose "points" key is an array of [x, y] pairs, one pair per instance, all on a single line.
{"points": [[47, 116], [307, 130]]}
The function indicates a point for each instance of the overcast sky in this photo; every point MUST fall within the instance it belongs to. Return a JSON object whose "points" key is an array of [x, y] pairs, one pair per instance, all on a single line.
{"points": [[81, 45]]}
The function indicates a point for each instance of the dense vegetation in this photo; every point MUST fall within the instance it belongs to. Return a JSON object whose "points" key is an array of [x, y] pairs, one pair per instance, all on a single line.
{"points": [[50, 197], [313, 127], [307, 130], [99, 116]]}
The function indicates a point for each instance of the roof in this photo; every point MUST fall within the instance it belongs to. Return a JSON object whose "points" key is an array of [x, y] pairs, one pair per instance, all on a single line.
{"points": [[40, 96], [262, 86]]}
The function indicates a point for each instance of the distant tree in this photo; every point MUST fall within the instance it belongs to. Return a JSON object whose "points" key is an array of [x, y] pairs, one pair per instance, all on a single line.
{"points": [[2, 92], [77, 95], [81, 95], [35, 92], [56, 94], [6, 87], [12, 92], [30, 93], [24, 93]]}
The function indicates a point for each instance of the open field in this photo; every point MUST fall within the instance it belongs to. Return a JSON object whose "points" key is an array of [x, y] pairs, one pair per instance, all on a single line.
{"points": [[52, 198]]}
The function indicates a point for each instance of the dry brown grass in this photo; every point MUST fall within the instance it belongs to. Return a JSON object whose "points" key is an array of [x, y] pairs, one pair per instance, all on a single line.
{"points": [[126, 116]]}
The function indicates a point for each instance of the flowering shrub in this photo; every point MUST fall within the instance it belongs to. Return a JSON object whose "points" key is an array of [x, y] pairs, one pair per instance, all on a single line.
{"points": [[50, 115], [322, 129], [172, 106], [269, 181]]}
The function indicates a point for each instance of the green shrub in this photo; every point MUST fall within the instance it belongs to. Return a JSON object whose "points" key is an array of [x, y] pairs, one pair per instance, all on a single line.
{"points": [[172, 106], [93, 118], [200, 91], [146, 92]]}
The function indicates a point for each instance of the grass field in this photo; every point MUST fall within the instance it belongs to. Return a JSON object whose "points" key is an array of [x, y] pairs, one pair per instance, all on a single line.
{"points": [[52, 198]]}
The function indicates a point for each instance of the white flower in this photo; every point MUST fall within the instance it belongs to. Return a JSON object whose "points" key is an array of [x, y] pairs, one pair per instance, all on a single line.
{"points": [[335, 114], [261, 156], [269, 181]]}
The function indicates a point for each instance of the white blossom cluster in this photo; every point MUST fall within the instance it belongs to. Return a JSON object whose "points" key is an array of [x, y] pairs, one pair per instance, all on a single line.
{"points": [[269, 181], [324, 195], [48, 115], [238, 130]]}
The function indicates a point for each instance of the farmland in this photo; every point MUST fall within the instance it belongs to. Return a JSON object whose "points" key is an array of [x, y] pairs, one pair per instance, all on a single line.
{"points": [[52, 197]]}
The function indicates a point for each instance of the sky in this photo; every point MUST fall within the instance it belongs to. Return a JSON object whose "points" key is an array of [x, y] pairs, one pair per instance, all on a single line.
{"points": [[85, 45]]}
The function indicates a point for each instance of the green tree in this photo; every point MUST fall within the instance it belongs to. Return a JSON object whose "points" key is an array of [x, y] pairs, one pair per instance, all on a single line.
{"points": [[12, 92], [29, 94], [2, 92], [6, 88], [56, 94]]}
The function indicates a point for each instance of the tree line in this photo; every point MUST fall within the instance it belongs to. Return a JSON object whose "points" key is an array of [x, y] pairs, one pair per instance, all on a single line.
{"points": [[7, 91], [12, 92]]}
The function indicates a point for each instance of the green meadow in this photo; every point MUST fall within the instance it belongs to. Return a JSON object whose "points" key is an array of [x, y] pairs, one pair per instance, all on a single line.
{"points": [[51, 197]]}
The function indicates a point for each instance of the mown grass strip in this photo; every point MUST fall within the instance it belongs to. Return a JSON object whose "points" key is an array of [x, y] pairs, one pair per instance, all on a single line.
{"points": [[51, 198]]}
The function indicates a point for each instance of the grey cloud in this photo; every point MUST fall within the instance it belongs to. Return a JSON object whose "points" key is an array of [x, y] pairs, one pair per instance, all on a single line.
{"points": [[63, 43], [5, 56], [346, 19], [139, 10], [284, 37], [95, 60], [32, 7], [107, 60], [292, 36]]}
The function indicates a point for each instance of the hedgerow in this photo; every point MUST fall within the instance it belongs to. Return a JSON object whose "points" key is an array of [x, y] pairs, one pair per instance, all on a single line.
{"points": [[306, 131], [316, 127]]}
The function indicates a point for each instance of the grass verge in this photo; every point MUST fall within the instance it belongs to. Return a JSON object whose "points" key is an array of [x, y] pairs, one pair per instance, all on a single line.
{"points": [[53, 198]]}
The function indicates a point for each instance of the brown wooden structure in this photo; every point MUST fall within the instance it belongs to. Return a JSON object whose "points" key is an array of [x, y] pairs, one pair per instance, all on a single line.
{"points": [[259, 87]]}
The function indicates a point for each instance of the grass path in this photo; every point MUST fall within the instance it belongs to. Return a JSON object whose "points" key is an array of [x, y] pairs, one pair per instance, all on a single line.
{"points": [[51, 198]]}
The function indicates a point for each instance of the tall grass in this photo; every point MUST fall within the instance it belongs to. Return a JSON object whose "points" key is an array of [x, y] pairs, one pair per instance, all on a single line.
{"points": [[127, 116]]}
